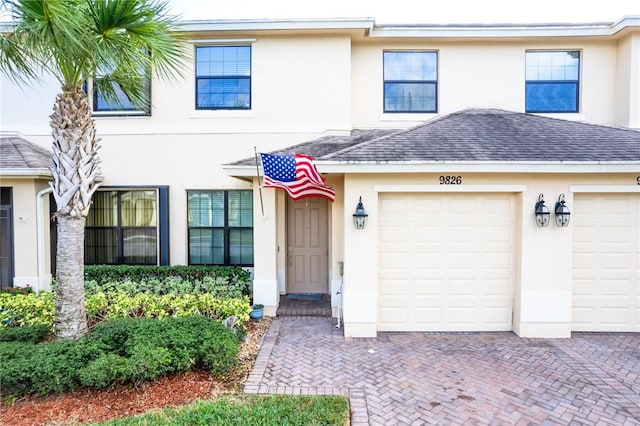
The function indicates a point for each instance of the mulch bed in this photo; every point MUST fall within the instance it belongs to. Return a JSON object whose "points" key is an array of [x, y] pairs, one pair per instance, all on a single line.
{"points": [[93, 405]]}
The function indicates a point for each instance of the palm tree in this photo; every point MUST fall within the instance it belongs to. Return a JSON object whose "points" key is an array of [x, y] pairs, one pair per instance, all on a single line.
{"points": [[121, 41]]}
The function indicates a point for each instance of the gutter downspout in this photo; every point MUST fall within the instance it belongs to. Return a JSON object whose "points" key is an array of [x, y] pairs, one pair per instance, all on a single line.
{"points": [[40, 236]]}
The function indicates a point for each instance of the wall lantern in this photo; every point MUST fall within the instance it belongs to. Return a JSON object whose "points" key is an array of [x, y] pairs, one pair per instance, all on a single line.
{"points": [[563, 215], [360, 216], [542, 212]]}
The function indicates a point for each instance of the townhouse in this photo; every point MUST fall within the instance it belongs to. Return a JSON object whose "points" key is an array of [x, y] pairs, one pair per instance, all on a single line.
{"points": [[498, 167]]}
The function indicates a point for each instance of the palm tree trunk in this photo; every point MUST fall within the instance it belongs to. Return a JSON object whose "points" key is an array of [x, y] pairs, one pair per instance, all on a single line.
{"points": [[75, 170], [70, 320]]}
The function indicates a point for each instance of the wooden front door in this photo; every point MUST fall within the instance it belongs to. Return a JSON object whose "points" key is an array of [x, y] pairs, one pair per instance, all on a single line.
{"points": [[307, 246]]}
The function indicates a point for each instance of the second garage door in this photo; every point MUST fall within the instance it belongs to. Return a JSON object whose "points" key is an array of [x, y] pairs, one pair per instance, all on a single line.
{"points": [[446, 262], [606, 262]]}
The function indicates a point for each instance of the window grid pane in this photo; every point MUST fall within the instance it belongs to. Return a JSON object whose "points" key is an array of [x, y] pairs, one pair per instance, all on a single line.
{"points": [[552, 81], [121, 228], [410, 81], [223, 77], [139, 246], [241, 246], [225, 236], [100, 246]]}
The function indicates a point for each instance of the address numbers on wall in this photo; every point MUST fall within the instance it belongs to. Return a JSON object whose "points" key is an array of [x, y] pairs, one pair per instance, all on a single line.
{"points": [[450, 180]]}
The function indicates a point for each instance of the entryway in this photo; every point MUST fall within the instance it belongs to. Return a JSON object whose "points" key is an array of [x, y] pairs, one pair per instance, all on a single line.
{"points": [[307, 246], [294, 307]]}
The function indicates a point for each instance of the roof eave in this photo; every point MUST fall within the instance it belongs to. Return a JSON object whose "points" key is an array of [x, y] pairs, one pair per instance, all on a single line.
{"points": [[341, 167], [365, 24], [507, 30], [38, 173]]}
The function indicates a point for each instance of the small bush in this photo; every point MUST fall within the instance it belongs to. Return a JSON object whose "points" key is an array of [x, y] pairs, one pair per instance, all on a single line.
{"points": [[28, 334], [26, 309], [220, 280], [118, 351], [43, 369], [18, 290], [32, 309]]}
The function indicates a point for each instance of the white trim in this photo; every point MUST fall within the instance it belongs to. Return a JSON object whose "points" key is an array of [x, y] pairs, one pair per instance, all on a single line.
{"points": [[502, 30], [459, 167], [450, 188], [213, 41], [276, 24], [604, 188], [222, 113], [38, 173]]}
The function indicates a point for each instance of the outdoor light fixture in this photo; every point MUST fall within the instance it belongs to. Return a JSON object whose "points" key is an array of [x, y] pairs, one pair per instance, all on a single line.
{"points": [[542, 212], [563, 215], [360, 216]]}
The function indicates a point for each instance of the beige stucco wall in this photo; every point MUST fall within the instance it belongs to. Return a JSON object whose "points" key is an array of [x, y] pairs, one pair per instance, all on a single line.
{"points": [[491, 74], [25, 228], [628, 77], [542, 284]]}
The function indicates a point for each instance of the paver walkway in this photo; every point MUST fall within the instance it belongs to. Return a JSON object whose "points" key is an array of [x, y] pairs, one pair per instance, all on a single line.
{"points": [[455, 378]]}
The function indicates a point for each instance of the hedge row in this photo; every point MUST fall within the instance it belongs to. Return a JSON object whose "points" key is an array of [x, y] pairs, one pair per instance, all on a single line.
{"points": [[218, 287], [105, 274], [119, 351], [32, 309]]}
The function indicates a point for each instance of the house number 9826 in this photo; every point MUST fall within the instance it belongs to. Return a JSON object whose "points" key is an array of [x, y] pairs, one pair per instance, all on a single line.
{"points": [[450, 180]]}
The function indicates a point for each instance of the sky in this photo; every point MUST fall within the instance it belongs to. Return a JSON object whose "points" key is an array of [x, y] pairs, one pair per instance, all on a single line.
{"points": [[414, 11], [410, 11]]}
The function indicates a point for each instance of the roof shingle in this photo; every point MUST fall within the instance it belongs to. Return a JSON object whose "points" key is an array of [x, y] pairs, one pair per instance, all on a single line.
{"points": [[477, 135], [18, 153]]}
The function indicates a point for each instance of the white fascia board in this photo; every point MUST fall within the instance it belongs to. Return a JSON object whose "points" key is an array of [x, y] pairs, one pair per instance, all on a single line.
{"points": [[510, 31], [26, 173], [450, 188], [460, 167], [276, 24], [605, 188]]}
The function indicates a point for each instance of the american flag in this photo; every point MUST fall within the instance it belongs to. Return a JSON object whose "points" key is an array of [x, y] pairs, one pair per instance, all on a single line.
{"points": [[296, 174]]}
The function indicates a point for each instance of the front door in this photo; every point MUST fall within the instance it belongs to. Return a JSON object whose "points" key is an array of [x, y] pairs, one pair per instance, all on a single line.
{"points": [[307, 246], [6, 238]]}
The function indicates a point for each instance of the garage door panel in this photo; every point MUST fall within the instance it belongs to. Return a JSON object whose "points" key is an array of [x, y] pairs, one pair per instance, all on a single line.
{"points": [[606, 259], [427, 288], [459, 252]]}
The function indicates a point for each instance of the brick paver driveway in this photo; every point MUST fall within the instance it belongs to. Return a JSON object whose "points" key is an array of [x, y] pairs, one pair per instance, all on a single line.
{"points": [[456, 378]]}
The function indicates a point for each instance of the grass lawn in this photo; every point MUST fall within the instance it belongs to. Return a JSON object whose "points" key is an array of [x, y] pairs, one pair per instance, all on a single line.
{"points": [[277, 410]]}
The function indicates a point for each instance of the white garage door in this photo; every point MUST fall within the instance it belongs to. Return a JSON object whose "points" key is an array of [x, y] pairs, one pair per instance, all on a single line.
{"points": [[606, 262], [446, 262]]}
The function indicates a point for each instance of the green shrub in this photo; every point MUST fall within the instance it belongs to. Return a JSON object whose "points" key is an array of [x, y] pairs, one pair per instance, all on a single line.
{"points": [[18, 290], [26, 309], [188, 340], [168, 279], [32, 309], [43, 369], [29, 333], [118, 351], [104, 371]]}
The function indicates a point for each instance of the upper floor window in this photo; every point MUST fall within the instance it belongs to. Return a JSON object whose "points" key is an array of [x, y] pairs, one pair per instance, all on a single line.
{"points": [[552, 81], [410, 81], [108, 98], [120, 105], [220, 227], [223, 77]]}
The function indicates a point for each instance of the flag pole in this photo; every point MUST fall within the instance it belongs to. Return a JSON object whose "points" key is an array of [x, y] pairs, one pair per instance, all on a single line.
{"points": [[259, 184]]}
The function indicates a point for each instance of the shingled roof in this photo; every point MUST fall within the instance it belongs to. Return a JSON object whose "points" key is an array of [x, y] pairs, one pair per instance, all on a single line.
{"points": [[19, 156], [478, 135]]}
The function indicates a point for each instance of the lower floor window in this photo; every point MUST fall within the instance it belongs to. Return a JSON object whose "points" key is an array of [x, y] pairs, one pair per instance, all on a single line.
{"points": [[123, 227], [220, 226]]}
